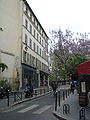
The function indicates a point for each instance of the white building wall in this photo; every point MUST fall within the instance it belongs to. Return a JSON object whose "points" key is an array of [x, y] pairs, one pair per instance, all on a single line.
{"points": [[10, 36]]}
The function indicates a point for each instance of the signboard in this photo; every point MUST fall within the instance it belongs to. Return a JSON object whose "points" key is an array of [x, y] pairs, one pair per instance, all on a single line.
{"points": [[83, 87]]}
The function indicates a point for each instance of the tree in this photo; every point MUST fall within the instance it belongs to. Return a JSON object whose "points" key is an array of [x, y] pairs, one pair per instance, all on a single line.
{"points": [[67, 45], [3, 66], [73, 62]]}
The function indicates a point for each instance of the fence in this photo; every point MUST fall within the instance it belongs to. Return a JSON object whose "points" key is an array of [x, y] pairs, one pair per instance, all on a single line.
{"points": [[13, 97]]}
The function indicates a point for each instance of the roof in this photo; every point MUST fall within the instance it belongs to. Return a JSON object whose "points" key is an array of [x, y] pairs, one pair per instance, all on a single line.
{"points": [[84, 68]]}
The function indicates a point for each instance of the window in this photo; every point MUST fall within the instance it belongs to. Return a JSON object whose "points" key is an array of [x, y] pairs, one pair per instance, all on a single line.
{"points": [[31, 16], [37, 49], [26, 23], [40, 51], [34, 46], [30, 28], [28, 58], [24, 56], [26, 10], [25, 39], [30, 43], [40, 40], [34, 33], [37, 36]]}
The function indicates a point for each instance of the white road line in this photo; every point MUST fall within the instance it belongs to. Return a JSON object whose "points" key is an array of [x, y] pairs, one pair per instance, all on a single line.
{"points": [[27, 108], [43, 109], [14, 108]]}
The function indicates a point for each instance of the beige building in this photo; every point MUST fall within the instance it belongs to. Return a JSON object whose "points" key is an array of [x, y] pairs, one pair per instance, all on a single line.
{"points": [[23, 44]]}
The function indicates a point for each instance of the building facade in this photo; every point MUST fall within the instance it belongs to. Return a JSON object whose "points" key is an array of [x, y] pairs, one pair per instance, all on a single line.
{"points": [[23, 44]]}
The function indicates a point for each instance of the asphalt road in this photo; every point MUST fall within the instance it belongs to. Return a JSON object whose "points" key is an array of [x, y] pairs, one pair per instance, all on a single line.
{"points": [[37, 109]]}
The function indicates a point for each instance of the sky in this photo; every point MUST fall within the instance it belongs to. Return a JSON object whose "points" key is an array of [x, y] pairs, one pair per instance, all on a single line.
{"points": [[55, 14]]}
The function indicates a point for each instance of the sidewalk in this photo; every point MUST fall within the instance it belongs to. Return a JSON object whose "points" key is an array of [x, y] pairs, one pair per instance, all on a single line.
{"points": [[72, 100]]}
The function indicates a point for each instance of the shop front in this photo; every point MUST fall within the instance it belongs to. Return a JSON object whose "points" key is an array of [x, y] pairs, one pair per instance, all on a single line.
{"points": [[43, 78], [29, 75]]}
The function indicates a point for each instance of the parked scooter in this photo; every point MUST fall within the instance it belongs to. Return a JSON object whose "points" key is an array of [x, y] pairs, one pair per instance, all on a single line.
{"points": [[28, 93]]}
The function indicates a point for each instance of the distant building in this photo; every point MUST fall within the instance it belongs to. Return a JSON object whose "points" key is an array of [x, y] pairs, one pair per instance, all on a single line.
{"points": [[23, 44]]}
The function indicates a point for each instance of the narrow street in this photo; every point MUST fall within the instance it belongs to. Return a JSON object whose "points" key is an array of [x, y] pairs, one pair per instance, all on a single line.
{"points": [[37, 109]]}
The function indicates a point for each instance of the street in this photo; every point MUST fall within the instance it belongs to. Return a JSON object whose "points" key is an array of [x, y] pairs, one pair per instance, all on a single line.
{"points": [[37, 109]]}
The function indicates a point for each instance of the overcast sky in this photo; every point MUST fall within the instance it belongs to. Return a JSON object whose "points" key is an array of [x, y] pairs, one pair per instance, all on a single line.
{"points": [[72, 14]]}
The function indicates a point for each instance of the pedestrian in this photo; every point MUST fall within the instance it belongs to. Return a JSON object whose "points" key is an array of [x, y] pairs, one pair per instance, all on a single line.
{"points": [[54, 86], [72, 87]]}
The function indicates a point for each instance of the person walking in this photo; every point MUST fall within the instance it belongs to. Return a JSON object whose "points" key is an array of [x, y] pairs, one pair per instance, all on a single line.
{"points": [[72, 88]]}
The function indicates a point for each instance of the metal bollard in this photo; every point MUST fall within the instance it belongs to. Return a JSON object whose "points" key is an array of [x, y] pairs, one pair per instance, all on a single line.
{"points": [[66, 93], [8, 98], [14, 96], [82, 114], [59, 98], [56, 101], [63, 95], [66, 109]]}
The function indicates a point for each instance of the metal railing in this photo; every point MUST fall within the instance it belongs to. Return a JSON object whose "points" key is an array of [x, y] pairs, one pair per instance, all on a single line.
{"points": [[18, 96]]}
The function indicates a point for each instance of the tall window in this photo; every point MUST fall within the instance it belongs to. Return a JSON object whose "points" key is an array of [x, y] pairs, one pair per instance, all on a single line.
{"points": [[37, 36], [30, 28], [40, 40], [40, 51], [28, 58], [26, 39], [30, 43], [34, 33], [34, 46], [24, 56], [26, 10], [37, 49], [26, 23]]}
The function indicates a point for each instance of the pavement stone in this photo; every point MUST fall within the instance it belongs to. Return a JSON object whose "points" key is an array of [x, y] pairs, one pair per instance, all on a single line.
{"points": [[73, 101]]}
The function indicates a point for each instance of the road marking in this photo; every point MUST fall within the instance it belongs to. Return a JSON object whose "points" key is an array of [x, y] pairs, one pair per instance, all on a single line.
{"points": [[43, 109], [14, 108], [27, 109]]}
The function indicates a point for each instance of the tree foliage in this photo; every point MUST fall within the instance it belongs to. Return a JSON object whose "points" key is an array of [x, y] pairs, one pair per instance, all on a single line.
{"points": [[3, 66], [70, 49]]}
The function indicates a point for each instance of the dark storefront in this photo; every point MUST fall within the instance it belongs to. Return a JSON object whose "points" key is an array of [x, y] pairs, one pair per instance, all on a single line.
{"points": [[43, 78], [29, 75]]}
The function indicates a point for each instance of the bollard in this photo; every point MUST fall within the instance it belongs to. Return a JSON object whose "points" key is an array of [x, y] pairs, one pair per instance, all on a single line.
{"points": [[63, 95], [56, 101], [59, 98], [66, 93], [14, 96], [8, 98], [66, 109], [82, 114]]}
